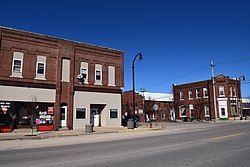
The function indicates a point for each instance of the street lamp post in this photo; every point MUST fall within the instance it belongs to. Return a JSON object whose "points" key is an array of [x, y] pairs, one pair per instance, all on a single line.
{"points": [[139, 56], [243, 78]]}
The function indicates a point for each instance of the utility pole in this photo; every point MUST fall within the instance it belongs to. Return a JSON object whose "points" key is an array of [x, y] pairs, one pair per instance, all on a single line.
{"points": [[143, 90], [214, 92]]}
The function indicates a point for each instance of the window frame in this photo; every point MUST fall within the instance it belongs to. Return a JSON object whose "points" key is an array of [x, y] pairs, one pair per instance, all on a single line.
{"points": [[181, 95], [232, 91], [190, 94], [204, 94], [114, 110], [181, 112], [205, 111], [37, 68], [97, 70], [21, 66], [85, 113], [163, 116], [197, 94], [221, 89], [86, 74]]}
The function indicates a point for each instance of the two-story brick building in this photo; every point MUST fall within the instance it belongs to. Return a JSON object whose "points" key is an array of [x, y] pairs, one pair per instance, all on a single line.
{"points": [[39, 80], [196, 100], [144, 102]]}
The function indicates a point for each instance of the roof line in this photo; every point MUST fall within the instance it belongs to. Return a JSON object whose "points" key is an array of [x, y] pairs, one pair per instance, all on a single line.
{"points": [[59, 38]]}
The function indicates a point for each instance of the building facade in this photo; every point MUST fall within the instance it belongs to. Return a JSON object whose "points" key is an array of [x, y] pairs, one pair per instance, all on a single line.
{"points": [[196, 100], [49, 80], [246, 107], [144, 103]]}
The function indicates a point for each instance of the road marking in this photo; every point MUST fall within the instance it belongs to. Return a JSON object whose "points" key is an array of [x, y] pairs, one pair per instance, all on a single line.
{"points": [[225, 137]]}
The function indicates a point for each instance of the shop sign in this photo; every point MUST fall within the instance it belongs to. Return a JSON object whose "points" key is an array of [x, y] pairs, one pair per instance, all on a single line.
{"points": [[50, 110], [4, 106]]}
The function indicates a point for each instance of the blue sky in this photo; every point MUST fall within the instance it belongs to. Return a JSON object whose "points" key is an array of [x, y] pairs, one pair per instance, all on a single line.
{"points": [[175, 37]]}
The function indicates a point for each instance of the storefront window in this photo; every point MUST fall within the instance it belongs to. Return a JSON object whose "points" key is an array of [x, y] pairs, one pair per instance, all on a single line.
{"points": [[113, 113]]}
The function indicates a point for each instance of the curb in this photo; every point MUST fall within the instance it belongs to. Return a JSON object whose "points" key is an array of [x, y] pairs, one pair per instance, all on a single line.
{"points": [[54, 135]]}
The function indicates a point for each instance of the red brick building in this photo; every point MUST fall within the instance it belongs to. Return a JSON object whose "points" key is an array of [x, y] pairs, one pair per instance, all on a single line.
{"points": [[144, 103], [196, 100], [39, 79]]}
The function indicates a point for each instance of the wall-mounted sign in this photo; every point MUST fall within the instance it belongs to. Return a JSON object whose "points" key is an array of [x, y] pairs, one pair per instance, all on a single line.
{"points": [[155, 107], [4, 107], [50, 110]]}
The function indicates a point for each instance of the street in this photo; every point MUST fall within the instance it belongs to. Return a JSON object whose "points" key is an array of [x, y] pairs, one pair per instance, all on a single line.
{"points": [[227, 145]]}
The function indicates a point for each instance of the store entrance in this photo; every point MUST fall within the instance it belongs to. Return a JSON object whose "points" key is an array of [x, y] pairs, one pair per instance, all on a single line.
{"points": [[96, 114]]}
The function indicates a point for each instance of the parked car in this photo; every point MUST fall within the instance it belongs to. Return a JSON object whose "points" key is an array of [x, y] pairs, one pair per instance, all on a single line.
{"points": [[126, 118]]}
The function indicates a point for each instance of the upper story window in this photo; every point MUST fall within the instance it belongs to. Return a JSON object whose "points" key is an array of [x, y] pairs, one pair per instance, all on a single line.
{"points": [[221, 91], [205, 92], [181, 95], [111, 76], [84, 71], [198, 94], [40, 67], [17, 64], [98, 74], [190, 94], [232, 92], [65, 70]]}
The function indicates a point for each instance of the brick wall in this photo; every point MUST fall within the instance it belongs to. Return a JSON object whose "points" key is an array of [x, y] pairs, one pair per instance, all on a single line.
{"points": [[54, 49]]}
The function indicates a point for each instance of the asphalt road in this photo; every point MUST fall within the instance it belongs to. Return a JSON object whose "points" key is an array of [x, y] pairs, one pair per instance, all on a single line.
{"points": [[227, 145]]}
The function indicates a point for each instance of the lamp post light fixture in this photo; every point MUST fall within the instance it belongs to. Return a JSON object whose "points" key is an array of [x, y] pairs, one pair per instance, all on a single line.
{"points": [[139, 56], [241, 112]]}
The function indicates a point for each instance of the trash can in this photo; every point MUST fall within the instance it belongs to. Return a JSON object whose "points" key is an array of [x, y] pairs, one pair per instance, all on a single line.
{"points": [[130, 124], [88, 128]]}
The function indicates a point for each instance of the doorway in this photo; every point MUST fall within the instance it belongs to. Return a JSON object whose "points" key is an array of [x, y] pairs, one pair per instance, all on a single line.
{"points": [[94, 117], [63, 116], [223, 113]]}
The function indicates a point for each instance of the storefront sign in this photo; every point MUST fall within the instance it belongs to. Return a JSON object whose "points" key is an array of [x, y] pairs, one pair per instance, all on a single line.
{"points": [[50, 110], [4, 107]]}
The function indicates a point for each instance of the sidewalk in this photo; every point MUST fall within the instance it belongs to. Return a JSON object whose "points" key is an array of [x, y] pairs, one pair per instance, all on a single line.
{"points": [[168, 127], [24, 134]]}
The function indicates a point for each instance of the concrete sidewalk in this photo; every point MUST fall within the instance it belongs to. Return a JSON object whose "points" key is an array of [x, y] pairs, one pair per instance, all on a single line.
{"points": [[168, 127], [24, 134]]}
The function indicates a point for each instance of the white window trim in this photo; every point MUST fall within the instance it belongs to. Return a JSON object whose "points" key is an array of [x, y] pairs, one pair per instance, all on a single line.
{"points": [[223, 91], [86, 81], [190, 94], [191, 107], [96, 81], [196, 94], [181, 97], [152, 116], [14, 73], [204, 92], [182, 116], [232, 89], [40, 76]]}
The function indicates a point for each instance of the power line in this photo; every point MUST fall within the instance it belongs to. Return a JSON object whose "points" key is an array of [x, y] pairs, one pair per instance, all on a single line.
{"points": [[248, 82], [195, 70], [233, 61], [178, 76]]}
